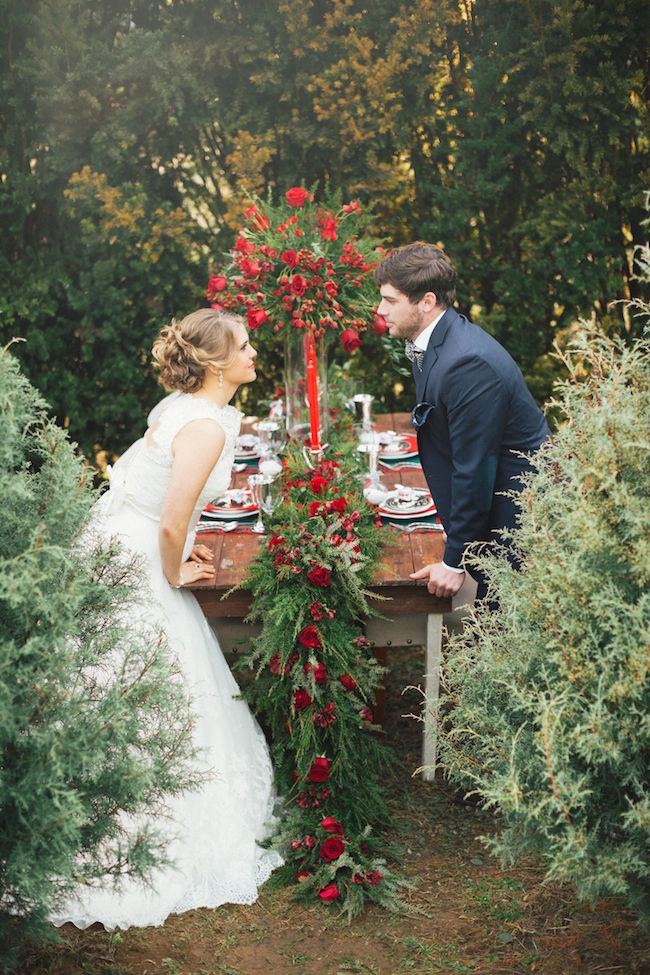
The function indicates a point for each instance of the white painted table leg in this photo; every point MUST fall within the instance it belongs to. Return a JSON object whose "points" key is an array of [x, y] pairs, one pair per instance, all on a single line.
{"points": [[431, 689]]}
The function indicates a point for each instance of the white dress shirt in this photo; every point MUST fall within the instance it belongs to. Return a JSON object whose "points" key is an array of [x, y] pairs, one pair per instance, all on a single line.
{"points": [[422, 341]]}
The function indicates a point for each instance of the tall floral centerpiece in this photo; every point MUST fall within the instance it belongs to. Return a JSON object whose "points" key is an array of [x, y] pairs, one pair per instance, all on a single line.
{"points": [[300, 270]]}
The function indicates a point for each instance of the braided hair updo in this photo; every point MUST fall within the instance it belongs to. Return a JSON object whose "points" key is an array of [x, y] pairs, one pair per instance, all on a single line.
{"points": [[183, 349]]}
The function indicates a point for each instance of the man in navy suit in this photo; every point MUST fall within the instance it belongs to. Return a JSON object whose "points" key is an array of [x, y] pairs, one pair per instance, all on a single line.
{"points": [[474, 412]]}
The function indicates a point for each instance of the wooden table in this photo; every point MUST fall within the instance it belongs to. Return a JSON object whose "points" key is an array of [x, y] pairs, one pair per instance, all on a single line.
{"points": [[414, 616]]}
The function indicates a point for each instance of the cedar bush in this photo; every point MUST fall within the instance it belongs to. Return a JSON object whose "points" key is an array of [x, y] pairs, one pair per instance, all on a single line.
{"points": [[548, 698], [94, 722]]}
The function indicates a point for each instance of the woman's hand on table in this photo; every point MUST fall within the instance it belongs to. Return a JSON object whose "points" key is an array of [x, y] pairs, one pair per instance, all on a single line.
{"points": [[200, 553], [192, 572]]}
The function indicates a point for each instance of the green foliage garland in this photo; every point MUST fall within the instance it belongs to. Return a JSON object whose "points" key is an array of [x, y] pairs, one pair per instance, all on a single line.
{"points": [[315, 679]]}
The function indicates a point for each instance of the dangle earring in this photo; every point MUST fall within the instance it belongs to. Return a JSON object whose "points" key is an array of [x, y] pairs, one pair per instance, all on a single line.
{"points": [[220, 377]]}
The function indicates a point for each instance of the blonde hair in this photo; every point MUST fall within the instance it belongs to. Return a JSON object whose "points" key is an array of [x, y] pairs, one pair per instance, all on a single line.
{"points": [[183, 349]]}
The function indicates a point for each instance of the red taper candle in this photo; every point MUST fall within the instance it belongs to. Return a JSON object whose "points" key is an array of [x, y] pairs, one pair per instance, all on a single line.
{"points": [[312, 393]]}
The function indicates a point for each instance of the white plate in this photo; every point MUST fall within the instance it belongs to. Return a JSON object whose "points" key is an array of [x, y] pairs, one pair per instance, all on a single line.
{"points": [[224, 507], [422, 506], [408, 448], [411, 516], [243, 458]]}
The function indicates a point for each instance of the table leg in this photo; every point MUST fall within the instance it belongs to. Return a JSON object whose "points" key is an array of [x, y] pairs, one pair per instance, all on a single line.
{"points": [[431, 690]]}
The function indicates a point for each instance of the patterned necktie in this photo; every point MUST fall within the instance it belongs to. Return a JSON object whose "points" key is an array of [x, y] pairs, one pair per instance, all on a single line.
{"points": [[414, 353]]}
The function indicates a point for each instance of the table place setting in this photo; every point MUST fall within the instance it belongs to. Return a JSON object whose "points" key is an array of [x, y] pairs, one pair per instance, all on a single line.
{"points": [[232, 511]]}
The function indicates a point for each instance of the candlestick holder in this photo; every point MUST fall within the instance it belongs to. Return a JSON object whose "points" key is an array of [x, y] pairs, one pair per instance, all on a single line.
{"points": [[314, 455]]}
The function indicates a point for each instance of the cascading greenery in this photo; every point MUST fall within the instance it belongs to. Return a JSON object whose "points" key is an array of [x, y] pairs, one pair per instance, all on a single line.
{"points": [[549, 696], [315, 681], [94, 722]]}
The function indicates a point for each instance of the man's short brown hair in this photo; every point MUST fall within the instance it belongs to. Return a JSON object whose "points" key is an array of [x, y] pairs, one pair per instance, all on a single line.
{"points": [[418, 268]]}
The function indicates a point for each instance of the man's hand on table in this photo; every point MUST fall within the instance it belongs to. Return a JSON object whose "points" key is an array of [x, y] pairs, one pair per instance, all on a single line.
{"points": [[441, 581]]}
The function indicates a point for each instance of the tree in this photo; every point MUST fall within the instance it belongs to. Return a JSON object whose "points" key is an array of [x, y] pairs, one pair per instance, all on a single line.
{"points": [[548, 696], [95, 726]]}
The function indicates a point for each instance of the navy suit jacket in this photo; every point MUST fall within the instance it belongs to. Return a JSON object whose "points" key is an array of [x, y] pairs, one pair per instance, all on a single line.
{"points": [[481, 414]]}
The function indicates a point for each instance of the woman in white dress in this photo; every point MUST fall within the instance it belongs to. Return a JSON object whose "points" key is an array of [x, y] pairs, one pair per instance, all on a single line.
{"points": [[158, 489]]}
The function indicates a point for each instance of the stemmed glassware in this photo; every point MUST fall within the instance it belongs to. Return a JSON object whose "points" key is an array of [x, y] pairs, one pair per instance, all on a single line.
{"points": [[272, 441], [265, 491], [361, 406]]}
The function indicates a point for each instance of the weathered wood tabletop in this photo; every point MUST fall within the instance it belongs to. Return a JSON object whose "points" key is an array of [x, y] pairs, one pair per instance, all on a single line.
{"points": [[403, 553]]}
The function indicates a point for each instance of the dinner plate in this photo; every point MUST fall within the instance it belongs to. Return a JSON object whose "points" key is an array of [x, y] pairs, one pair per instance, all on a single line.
{"points": [[406, 447], [422, 506], [228, 507], [247, 447]]}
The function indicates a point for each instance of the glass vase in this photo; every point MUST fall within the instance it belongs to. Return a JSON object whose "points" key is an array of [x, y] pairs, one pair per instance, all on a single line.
{"points": [[296, 344]]}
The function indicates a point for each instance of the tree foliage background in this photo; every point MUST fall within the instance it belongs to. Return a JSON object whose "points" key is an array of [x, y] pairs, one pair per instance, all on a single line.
{"points": [[514, 134]]}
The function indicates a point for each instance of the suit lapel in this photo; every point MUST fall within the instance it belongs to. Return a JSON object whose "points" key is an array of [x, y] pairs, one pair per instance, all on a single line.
{"points": [[431, 356]]}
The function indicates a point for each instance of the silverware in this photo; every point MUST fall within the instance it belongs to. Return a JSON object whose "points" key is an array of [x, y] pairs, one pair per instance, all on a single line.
{"points": [[416, 526], [222, 526]]}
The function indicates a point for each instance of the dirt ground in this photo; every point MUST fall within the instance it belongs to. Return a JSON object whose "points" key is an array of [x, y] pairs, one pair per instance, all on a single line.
{"points": [[465, 914]]}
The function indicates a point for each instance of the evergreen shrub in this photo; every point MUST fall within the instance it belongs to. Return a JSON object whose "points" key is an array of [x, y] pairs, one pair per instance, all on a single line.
{"points": [[548, 698], [95, 727]]}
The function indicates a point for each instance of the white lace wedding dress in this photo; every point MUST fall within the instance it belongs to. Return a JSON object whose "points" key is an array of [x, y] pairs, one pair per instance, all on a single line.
{"points": [[217, 859]]}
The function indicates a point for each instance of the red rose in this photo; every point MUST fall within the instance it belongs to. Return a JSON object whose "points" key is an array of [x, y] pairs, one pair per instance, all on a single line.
{"points": [[366, 714], [350, 340], [349, 683], [298, 285], [310, 842], [314, 508], [338, 504], [216, 282], [297, 196], [356, 878], [274, 541], [302, 875], [320, 770], [330, 825], [329, 228], [250, 269], [318, 484], [296, 845], [301, 699], [309, 638], [256, 317], [329, 893], [373, 877], [320, 672], [332, 849], [316, 610], [290, 258], [379, 324], [320, 576], [244, 246]]}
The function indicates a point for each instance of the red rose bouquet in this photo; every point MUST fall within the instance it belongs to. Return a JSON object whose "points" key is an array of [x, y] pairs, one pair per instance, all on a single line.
{"points": [[301, 265]]}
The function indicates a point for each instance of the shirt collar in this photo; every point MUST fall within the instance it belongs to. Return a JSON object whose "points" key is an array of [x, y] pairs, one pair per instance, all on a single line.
{"points": [[422, 341]]}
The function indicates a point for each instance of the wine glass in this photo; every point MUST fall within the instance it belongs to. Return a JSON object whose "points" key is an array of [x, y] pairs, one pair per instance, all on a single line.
{"points": [[362, 409], [264, 488]]}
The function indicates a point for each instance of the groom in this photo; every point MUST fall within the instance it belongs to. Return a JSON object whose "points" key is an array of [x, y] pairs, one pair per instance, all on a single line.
{"points": [[474, 412]]}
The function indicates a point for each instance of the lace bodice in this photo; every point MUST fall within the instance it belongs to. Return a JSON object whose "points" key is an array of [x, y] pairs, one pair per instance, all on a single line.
{"points": [[141, 476]]}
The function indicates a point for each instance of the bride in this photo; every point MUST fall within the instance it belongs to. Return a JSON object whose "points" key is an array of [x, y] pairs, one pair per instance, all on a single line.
{"points": [[158, 489]]}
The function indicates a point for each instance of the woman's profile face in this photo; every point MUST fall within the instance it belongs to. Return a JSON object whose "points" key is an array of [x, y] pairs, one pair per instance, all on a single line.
{"points": [[242, 370]]}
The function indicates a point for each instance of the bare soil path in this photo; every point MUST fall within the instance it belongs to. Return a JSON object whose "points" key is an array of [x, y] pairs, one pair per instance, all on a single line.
{"points": [[466, 915]]}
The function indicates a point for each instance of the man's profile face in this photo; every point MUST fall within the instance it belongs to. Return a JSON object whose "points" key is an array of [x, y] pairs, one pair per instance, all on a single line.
{"points": [[404, 319]]}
